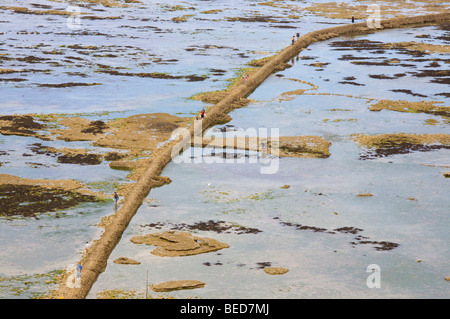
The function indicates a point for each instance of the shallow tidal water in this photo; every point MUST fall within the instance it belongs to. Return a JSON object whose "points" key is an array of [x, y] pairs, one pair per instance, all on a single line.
{"points": [[409, 205], [321, 265]]}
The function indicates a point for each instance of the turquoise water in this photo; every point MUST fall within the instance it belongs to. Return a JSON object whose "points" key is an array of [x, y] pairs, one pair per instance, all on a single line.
{"points": [[409, 202]]}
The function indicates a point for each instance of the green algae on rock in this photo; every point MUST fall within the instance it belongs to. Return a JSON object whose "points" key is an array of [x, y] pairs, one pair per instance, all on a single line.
{"points": [[28, 285]]}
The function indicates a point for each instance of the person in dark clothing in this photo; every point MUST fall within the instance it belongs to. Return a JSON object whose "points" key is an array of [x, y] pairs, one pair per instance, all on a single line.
{"points": [[116, 197], [353, 19]]}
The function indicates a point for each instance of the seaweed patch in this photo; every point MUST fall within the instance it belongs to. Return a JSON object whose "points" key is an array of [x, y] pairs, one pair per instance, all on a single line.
{"points": [[210, 225], [22, 125], [175, 243], [30, 200], [392, 144], [378, 245]]}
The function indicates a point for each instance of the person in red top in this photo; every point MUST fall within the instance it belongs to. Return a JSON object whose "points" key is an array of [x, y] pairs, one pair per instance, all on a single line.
{"points": [[202, 113]]}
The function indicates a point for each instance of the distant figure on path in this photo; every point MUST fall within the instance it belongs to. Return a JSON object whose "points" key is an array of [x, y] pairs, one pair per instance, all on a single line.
{"points": [[298, 36], [263, 149], [79, 268], [202, 113], [353, 19], [293, 39], [116, 197]]}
